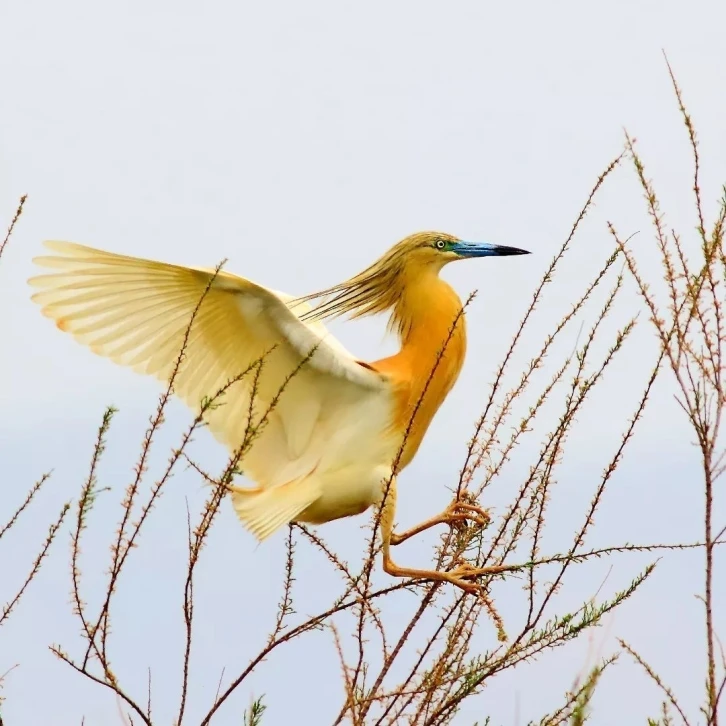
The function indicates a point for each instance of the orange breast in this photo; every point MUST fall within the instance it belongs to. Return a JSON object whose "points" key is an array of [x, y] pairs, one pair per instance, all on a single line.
{"points": [[424, 376]]}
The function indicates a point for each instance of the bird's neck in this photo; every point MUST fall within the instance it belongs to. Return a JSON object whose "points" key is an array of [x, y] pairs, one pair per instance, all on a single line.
{"points": [[428, 314]]}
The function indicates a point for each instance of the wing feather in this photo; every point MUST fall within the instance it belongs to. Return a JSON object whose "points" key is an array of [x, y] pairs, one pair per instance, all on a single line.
{"points": [[137, 312]]}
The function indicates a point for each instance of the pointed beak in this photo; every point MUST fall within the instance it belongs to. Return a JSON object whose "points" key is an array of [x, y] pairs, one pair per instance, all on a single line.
{"points": [[483, 249]]}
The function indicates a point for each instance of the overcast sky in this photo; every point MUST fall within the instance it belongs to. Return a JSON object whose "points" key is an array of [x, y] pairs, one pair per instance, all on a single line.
{"points": [[301, 140]]}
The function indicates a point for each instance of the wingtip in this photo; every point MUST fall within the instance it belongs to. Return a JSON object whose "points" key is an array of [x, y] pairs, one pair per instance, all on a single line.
{"points": [[52, 245], [56, 245], [39, 282], [71, 249]]}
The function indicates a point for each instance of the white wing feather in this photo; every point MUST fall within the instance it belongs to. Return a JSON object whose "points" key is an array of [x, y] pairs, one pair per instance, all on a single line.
{"points": [[137, 312]]}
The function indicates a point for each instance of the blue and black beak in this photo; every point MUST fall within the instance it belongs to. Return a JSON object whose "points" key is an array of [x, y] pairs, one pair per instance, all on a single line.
{"points": [[484, 249]]}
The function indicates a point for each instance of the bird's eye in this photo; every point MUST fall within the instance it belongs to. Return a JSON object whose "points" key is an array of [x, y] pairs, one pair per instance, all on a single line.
{"points": [[440, 244]]}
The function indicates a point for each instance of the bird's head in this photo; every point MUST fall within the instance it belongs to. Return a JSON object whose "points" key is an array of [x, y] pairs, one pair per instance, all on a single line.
{"points": [[380, 286], [436, 249]]}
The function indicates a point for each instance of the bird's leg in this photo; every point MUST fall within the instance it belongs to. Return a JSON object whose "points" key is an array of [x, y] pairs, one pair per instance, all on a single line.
{"points": [[458, 511], [460, 576]]}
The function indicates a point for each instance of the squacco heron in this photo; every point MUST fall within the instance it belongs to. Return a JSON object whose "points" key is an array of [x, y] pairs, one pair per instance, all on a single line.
{"points": [[342, 430]]}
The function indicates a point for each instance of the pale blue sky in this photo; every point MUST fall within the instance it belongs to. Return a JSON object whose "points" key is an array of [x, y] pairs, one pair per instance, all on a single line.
{"points": [[300, 140]]}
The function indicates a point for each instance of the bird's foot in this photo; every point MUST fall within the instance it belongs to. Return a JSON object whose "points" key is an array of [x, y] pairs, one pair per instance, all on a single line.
{"points": [[464, 576], [464, 510], [457, 514]]}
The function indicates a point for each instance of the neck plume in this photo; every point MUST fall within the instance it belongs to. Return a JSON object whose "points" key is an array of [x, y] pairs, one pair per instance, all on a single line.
{"points": [[377, 289]]}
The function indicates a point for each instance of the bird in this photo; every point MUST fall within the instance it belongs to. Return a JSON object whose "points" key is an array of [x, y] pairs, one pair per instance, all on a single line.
{"points": [[338, 436]]}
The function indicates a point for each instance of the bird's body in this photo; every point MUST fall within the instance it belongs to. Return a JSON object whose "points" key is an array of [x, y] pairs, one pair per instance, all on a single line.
{"points": [[333, 427], [379, 427]]}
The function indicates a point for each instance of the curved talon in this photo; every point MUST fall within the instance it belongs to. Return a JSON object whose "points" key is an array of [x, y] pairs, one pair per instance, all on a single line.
{"points": [[462, 513], [471, 511], [467, 570], [460, 576], [457, 513], [467, 517]]}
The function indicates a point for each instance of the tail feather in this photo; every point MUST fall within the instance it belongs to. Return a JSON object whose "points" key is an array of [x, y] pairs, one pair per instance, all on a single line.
{"points": [[264, 512]]}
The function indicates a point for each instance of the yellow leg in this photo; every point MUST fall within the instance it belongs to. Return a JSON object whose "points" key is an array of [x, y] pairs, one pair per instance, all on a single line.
{"points": [[460, 576], [457, 511]]}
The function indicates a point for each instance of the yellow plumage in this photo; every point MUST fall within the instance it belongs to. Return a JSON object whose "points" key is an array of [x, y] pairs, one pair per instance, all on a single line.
{"points": [[330, 443]]}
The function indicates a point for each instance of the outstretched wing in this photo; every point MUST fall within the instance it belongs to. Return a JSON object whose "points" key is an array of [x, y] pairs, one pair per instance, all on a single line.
{"points": [[137, 313]]}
